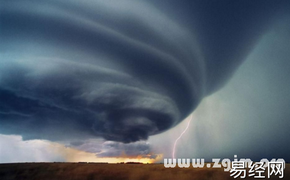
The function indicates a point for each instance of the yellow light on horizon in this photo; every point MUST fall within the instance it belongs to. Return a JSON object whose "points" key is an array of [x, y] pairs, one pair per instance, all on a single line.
{"points": [[74, 155]]}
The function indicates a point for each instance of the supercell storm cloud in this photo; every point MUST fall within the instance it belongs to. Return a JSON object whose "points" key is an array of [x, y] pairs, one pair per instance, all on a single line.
{"points": [[120, 70]]}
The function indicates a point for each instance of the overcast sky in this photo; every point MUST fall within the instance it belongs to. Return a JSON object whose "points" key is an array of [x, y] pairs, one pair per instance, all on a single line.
{"points": [[106, 79], [250, 115]]}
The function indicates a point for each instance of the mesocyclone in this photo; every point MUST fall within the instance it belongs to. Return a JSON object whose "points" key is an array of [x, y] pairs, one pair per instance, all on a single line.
{"points": [[118, 70]]}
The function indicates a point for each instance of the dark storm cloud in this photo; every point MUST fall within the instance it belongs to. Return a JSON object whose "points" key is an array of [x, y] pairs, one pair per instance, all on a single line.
{"points": [[121, 70], [102, 149], [117, 149]]}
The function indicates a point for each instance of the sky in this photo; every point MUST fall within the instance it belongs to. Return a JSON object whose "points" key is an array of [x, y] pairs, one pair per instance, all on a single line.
{"points": [[118, 81]]}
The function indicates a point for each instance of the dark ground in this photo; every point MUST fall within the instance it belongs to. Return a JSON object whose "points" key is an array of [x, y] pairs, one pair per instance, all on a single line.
{"points": [[90, 171]]}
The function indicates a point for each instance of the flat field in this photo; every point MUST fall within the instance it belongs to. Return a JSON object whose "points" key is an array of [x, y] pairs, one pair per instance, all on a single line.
{"points": [[91, 171]]}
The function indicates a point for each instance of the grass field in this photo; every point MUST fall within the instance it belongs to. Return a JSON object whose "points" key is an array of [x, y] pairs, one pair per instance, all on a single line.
{"points": [[91, 171]]}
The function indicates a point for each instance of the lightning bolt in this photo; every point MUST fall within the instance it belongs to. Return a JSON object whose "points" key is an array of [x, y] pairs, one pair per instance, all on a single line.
{"points": [[174, 147]]}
